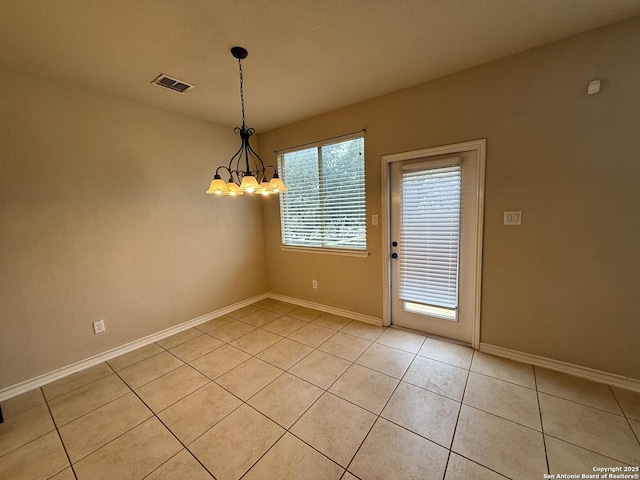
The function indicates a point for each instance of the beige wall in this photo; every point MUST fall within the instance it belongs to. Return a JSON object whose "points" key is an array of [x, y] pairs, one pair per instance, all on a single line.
{"points": [[563, 285], [103, 216]]}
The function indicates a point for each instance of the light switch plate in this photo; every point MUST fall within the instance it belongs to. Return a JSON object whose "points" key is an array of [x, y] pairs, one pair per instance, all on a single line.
{"points": [[374, 219], [513, 217]]}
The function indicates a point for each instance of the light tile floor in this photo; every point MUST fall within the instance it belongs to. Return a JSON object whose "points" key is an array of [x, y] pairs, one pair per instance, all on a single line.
{"points": [[276, 391]]}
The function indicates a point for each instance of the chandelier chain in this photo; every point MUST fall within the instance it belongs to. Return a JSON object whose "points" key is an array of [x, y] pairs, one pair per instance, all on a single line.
{"points": [[241, 90]]}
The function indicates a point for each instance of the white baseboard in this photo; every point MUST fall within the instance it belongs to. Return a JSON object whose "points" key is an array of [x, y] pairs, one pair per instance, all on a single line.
{"points": [[49, 377], [584, 372], [326, 308], [564, 367]]}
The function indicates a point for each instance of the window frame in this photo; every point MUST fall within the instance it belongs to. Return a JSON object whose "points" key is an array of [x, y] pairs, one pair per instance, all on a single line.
{"points": [[323, 249]]}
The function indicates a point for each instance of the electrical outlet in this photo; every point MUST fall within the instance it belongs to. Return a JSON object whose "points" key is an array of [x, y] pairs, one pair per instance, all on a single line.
{"points": [[314, 284], [98, 327]]}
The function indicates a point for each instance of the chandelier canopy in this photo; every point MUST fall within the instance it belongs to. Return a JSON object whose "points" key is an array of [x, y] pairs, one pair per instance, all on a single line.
{"points": [[246, 170]]}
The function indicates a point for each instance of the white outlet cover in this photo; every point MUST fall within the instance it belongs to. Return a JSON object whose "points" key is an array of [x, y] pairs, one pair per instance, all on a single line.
{"points": [[98, 327], [513, 217]]}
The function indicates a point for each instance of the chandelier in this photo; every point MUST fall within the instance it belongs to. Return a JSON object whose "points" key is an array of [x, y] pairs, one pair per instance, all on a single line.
{"points": [[246, 170]]}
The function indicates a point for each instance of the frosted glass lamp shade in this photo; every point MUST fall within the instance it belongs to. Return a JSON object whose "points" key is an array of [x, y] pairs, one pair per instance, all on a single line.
{"points": [[265, 187], [232, 189], [249, 184], [277, 185], [217, 186]]}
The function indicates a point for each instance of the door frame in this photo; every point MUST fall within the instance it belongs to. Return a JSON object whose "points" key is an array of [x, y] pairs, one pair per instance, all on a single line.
{"points": [[480, 148]]}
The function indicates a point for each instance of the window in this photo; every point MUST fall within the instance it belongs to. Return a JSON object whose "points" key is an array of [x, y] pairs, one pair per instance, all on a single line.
{"points": [[325, 204]]}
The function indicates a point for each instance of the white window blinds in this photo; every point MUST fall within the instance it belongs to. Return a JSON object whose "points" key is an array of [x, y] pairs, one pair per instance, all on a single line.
{"points": [[430, 235], [325, 204]]}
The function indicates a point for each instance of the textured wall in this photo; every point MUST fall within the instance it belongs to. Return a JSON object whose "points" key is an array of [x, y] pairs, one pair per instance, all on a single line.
{"points": [[563, 285], [103, 216]]}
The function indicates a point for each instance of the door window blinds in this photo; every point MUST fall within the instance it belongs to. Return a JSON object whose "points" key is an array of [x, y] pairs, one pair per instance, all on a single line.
{"points": [[430, 235], [325, 204]]}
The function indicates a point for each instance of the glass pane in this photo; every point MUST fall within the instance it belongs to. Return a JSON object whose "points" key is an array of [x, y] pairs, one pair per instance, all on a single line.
{"points": [[430, 236], [420, 309], [343, 206], [301, 204]]}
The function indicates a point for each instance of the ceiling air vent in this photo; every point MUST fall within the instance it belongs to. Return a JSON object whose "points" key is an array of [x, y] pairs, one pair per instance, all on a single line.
{"points": [[172, 83]]}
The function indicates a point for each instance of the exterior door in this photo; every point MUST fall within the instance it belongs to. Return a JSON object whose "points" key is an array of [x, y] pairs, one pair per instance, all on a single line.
{"points": [[434, 244]]}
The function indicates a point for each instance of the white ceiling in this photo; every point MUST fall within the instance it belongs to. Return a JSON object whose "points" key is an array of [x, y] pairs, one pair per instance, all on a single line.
{"points": [[306, 57]]}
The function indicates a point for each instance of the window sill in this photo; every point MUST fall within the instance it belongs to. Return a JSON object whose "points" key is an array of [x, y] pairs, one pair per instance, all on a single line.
{"points": [[326, 251]]}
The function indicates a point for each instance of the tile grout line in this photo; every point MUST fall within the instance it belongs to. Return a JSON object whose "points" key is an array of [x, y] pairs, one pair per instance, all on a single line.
{"points": [[502, 379], [212, 380], [266, 451], [498, 416], [481, 465], [153, 380], [58, 427], [625, 414], [364, 439], [325, 391], [116, 437], [57, 430], [544, 441], [288, 430], [583, 404], [171, 458], [378, 416], [83, 415], [455, 428], [469, 372], [154, 415], [211, 426], [34, 439], [553, 394], [75, 389], [205, 353], [586, 449], [139, 361], [98, 408], [415, 355]]}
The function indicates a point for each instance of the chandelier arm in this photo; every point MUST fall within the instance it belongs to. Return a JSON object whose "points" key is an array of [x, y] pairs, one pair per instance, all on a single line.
{"points": [[238, 154], [247, 149], [222, 167], [235, 176], [275, 170], [255, 155], [245, 133]]}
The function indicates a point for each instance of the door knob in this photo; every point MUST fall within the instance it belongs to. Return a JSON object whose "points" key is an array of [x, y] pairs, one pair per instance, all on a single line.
{"points": [[394, 244], [394, 255]]}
